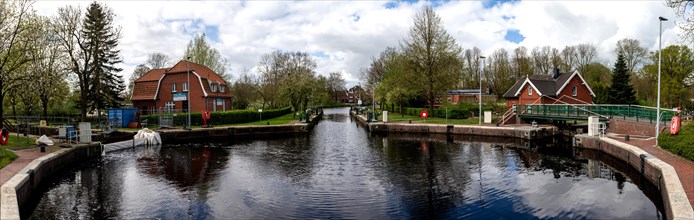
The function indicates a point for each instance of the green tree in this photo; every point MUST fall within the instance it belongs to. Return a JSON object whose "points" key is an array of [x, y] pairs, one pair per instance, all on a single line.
{"points": [[245, 91], [621, 91], [201, 52], [598, 77], [101, 40], [431, 52], [334, 83], [676, 75]]}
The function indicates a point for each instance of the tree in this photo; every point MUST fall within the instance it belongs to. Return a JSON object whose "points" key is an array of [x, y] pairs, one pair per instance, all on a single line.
{"points": [[683, 8], [335, 84], [18, 34], [521, 63], [471, 67], [101, 40], [374, 74], [499, 76], [633, 52], [542, 59], [598, 77], [568, 56], [200, 52], [584, 55], [621, 91], [271, 68], [245, 91], [433, 53], [158, 60], [676, 77]]}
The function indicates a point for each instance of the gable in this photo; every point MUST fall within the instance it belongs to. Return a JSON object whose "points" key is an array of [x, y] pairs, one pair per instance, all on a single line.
{"points": [[583, 82], [528, 82]]}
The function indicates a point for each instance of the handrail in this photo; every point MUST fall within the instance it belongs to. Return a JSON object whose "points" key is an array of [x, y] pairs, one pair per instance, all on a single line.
{"points": [[506, 116], [581, 109]]}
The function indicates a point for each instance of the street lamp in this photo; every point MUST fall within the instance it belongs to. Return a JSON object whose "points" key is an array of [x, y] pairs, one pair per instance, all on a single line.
{"points": [[660, 55], [188, 92], [480, 98]]}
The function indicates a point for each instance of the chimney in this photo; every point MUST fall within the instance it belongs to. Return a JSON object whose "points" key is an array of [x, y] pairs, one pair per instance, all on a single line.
{"points": [[556, 74]]}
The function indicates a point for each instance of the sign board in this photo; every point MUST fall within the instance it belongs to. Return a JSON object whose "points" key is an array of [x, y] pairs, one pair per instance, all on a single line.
{"points": [[424, 114], [220, 101], [487, 117], [260, 110], [359, 102], [180, 96]]}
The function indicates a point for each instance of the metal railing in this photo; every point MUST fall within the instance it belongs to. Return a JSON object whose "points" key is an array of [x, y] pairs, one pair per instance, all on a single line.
{"points": [[581, 111]]}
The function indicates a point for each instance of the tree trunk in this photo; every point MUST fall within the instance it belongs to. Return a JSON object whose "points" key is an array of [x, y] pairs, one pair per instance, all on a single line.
{"points": [[44, 105]]}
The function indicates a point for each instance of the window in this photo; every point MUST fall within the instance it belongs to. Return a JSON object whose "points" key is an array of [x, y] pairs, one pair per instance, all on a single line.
{"points": [[169, 107], [574, 92], [213, 87], [185, 87], [221, 88], [173, 87], [530, 91]]}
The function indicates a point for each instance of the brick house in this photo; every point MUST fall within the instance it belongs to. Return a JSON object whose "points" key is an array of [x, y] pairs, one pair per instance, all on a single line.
{"points": [[166, 90], [558, 88]]}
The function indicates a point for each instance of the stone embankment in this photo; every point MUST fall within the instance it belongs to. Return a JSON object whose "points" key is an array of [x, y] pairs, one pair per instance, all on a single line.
{"points": [[658, 172]]}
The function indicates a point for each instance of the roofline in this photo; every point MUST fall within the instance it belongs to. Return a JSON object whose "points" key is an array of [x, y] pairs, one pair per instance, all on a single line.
{"points": [[527, 80], [569, 80]]}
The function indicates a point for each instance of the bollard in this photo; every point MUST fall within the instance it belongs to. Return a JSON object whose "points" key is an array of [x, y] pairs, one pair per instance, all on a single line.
{"points": [[626, 137], [268, 123], [410, 122], [643, 162], [43, 148]]}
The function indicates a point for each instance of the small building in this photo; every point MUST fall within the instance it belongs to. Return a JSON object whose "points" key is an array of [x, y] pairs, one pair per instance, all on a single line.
{"points": [[558, 88], [468, 95], [166, 90]]}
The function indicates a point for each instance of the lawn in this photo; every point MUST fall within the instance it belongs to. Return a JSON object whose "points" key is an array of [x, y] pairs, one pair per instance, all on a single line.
{"points": [[681, 144], [396, 117], [8, 157]]}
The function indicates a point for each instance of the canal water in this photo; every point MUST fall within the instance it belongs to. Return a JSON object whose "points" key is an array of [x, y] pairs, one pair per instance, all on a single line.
{"points": [[342, 171]]}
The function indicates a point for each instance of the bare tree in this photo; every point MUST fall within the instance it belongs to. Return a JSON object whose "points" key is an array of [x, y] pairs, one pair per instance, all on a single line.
{"points": [[634, 54], [521, 63], [585, 53], [433, 53], [500, 74], [568, 56], [472, 61], [334, 84], [158, 60], [683, 9], [555, 57], [138, 72], [541, 59]]}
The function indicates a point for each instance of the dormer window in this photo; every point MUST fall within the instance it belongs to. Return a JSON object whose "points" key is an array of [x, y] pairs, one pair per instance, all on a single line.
{"points": [[213, 87], [221, 88], [173, 87], [530, 91], [574, 91]]}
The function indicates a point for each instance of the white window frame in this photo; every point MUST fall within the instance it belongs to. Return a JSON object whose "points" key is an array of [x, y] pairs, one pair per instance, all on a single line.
{"points": [[221, 88], [530, 91], [170, 107], [173, 87], [213, 87], [574, 91], [185, 87]]}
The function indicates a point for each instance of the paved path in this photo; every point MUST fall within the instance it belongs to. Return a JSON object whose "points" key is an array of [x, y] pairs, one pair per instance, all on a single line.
{"points": [[24, 157], [684, 167]]}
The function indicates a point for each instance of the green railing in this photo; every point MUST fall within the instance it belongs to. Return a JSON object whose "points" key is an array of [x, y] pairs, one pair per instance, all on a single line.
{"points": [[605, 112]]}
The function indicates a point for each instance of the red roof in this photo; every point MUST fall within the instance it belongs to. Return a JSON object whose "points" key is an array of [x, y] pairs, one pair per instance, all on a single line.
{"points": [[152, 75], [146, 86]]}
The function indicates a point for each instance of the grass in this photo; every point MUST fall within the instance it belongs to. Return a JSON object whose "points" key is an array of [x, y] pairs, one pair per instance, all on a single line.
{"points": [[13, 142], [396, 117], [681, 144]]}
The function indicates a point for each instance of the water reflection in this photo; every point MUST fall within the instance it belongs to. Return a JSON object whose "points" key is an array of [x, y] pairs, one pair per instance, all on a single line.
{"points": [[342, 171]]}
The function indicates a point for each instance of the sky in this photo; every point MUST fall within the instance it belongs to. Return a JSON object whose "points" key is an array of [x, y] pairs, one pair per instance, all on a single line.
{"points": [[343, 36]]}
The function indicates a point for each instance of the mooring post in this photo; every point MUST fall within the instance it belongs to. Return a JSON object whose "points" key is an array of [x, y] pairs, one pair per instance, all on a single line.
{"points": [[643, 159]]}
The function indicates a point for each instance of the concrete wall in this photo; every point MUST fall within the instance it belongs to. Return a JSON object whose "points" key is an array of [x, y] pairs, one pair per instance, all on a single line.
{"points": [[659, 173], [17, 191], [527, 132]]}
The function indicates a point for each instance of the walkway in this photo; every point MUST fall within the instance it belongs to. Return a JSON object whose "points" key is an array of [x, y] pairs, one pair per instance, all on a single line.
{"points": [[684, 167], [24, 157]]}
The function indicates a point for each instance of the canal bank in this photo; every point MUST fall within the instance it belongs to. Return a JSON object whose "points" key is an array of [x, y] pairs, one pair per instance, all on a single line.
{"points": [[17, 191], [658, 172], [521, 132]]}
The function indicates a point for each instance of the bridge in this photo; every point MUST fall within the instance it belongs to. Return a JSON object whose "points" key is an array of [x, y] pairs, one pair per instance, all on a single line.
{"points": [[581, 112]]}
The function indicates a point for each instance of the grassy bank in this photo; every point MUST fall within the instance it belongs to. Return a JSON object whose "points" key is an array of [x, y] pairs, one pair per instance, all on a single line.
{"points": [[395, 117], [14, 141], [281, 120], [681, 144]]}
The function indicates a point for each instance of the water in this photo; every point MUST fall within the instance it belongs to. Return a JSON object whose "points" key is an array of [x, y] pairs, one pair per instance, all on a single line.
{"points": [[342, 171]]}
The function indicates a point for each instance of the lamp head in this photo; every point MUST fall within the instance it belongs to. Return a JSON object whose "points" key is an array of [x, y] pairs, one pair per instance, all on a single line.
{"points": [[662, 19], [483, 57]]}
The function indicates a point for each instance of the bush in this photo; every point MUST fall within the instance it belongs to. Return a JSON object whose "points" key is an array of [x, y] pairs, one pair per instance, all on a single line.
{"points": [[680, 144], [453, 113], [225, 117]]}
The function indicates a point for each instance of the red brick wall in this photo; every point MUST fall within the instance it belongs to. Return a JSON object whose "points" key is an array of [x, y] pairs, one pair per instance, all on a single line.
{"points": [[583, 93], [197, 99], [524, 98], [621, 126]]}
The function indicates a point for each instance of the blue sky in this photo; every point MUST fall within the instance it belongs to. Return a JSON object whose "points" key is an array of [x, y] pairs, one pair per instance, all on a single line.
{"points": [[343, 36]]}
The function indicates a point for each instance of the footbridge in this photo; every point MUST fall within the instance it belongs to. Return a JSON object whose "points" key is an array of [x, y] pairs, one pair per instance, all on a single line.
{"points": [[581, 112]]}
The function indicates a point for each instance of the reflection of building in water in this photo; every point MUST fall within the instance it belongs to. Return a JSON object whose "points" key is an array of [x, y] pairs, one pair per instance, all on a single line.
{"points": [[184, 167], [596, 169]]}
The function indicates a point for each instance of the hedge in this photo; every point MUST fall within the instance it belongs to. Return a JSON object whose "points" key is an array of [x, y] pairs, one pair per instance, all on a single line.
{"points": [[681, 144], [460, 111], [220, 118]]}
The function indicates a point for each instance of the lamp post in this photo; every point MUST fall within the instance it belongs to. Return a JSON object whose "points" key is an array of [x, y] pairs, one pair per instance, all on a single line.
{"points": [[188, 92], [480, 98], [660, 55]]}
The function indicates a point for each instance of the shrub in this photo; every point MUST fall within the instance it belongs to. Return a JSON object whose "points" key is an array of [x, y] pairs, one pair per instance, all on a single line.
{"points": [[680, 144], [225, 117]]}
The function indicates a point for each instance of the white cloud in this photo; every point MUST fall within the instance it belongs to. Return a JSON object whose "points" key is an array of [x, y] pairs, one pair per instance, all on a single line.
{"points": [[348, 34]]}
